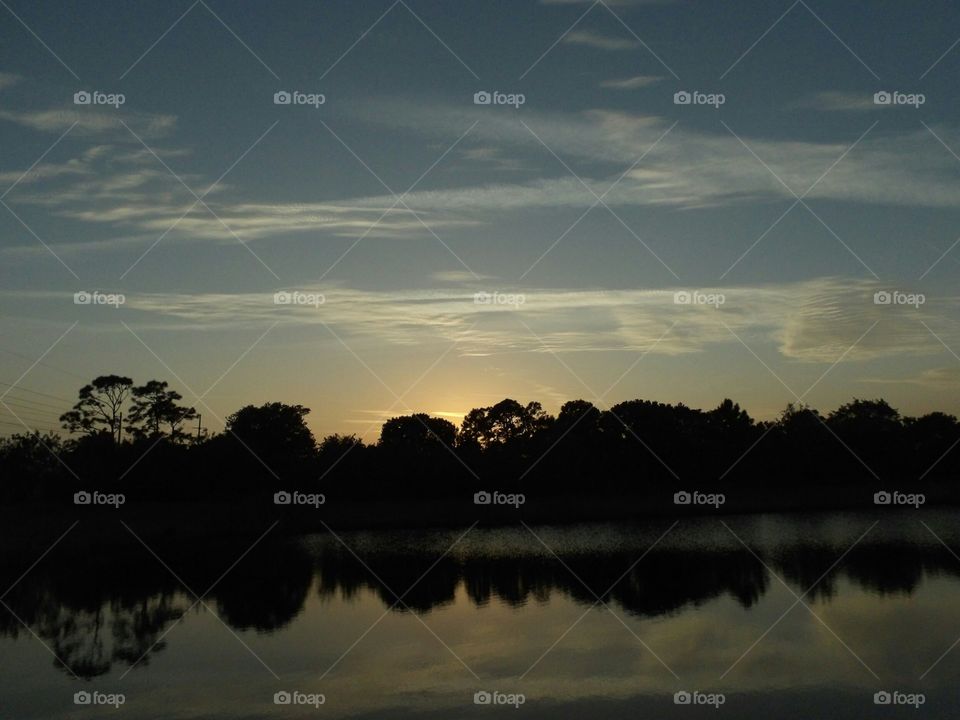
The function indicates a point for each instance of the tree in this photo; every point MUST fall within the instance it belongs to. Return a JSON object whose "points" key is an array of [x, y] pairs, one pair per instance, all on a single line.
{"points": [[30, 465], [100, 406], [155, 406], [799, 419], [418, 433], [277, 435], [730, 419], [503, 423], [580, 414]]}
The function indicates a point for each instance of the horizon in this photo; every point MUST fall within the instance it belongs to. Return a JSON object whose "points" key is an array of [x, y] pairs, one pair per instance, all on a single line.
{"points": [[373, 436]]}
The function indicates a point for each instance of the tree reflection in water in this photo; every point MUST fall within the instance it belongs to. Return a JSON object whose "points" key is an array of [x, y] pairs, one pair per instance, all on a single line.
{"points": [[115, 611]]}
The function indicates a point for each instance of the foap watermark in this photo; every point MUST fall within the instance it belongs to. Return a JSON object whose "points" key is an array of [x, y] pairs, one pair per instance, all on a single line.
{"points": [[699, 498], [697, 297], [896, 697], [296, 297], [695, 97], [495, 298], [498, 498], [295, 697], [884, 497], [494, 697], [98, 498], [896, 297], [514, 100], [884, 97], [85, 297], [298, 498], [295, 97], [95, 697], [95, 97], [686, 697]]}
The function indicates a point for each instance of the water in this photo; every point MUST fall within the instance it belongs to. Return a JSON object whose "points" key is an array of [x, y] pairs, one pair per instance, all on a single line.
{"points": [[712, 607]]}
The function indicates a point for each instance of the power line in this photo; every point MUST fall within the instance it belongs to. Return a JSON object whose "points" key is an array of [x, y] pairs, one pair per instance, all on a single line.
{"points": [[11, 407], [42, 364], [21, 426], [35, 392], [33, 403], [16, 410]]}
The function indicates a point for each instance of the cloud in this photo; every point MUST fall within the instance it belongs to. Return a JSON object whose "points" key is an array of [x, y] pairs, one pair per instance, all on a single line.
{"points": [[130, 190], [820, 321], [458, 277], [598, 41], [835, 101], [91, 120], [124, 186], [942, 378], [8, 80], [491, 157], [631, 83], [688, 167]]}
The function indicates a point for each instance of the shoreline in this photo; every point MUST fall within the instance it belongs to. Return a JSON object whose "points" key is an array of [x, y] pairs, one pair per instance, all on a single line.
{"points": [[33, 527]]}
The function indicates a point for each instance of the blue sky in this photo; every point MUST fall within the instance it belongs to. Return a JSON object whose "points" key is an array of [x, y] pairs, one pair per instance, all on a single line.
{"points": [[582, 212]]}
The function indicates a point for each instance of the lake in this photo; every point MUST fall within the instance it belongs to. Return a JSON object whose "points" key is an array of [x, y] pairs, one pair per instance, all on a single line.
{"points": [[787, 616]]}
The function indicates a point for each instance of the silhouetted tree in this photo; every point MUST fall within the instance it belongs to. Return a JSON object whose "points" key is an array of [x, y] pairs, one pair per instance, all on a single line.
{"points": [[154, 406], [277, 436], [30, 464], [507, 421], [873, 433], [418, 432], [865, 417], [100, 406]]}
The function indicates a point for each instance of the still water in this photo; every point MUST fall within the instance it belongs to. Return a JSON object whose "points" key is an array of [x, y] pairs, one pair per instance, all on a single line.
{"points": [[754, 616]]}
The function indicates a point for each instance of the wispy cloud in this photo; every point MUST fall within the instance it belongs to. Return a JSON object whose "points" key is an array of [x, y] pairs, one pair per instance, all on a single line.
{"points": [[837, 101], [90, 120], [458, 277], [693, 168], [631, 83], [941, 378], [115, 185], [8, 80], [598, 41], [815, 321]]}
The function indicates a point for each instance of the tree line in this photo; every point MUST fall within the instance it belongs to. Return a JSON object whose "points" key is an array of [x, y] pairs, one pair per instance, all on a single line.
{"points": [[139, 439]]}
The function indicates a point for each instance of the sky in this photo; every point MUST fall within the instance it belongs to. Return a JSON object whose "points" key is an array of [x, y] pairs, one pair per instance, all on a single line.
{"points": [[388, 243]]}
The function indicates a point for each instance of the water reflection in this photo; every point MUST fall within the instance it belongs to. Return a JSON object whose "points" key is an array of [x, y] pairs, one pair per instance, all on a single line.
{"points": [[112, 609]]}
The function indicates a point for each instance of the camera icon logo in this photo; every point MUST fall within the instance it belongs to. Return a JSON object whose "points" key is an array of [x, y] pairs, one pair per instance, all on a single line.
{"points": [[482, 498], [682, 697], [82, 498], [482, 98], [882, 98], [882, 698], [882, 498], [282, 98], [882, 297], [282, 298], [82, 698], [682, 298], [81, 98], [282, 698], [682, 98], [682, 498], [82, 298], [282, 498], [482, 697]]}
